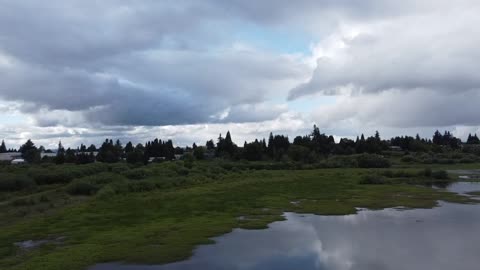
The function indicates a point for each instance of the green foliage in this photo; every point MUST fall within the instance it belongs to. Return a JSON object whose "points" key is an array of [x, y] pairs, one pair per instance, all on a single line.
{"points": [[199, 153], [162, 218], [188, 160], [81, 188], [141, 186], [106, 192], [408, 159], [372, 161], [15, 182], [63, 174], [3, 147], [299, 153], [441, 175], [136, 174], [24, 202], [373, 179], [30, 152], [135, 157]]}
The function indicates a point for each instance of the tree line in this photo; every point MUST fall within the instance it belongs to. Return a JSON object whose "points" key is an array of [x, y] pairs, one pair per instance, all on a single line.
{"points": [[307, 148]]}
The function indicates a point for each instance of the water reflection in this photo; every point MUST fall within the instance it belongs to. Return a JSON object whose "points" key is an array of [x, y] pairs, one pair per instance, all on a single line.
{"points": [[442, 238], [464, 187]]}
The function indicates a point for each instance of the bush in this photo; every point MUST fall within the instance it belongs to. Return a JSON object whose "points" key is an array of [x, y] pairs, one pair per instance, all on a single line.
{"points": [[136, 174], [106, 192], [440, 174], [372, 161], [373, 180], [408, 159], [141, 186], [399, 174], [342, 162], [23, 202], [188, 160], [64, 173], [100, 179], [427, 172], [81, 188], [15, 182]]}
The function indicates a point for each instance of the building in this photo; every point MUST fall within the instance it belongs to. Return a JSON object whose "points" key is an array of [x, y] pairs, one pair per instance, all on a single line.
{"points": [[48, 155], [9, 156], [18, 161], [156, 159]]}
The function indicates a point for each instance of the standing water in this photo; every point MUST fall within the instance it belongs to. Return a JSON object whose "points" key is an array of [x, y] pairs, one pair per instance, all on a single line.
{"points": [[443, 238]]}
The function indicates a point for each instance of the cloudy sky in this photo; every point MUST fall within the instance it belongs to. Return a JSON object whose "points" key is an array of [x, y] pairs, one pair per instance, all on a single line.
{"points": [[83, 70]]}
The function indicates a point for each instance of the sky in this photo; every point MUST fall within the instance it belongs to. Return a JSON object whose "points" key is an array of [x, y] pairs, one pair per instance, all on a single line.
{"points": [[80, 71]]}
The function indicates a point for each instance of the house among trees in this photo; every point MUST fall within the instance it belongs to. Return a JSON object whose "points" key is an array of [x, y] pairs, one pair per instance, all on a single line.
{"points": [[48, 155], [9, 156]]}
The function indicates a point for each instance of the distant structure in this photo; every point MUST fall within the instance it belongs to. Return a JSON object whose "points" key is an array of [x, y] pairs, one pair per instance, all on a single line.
{"points": [[10, 156], [18, 161], [48, 155]]}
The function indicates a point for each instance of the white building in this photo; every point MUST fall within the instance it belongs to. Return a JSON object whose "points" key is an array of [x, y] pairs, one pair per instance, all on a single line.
{"points": [[50, 155], [18, 161], [10, 156]]}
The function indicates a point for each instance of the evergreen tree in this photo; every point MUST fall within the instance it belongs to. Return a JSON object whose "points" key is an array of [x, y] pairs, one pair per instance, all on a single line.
{"points": [[70, 156], [30, 152], [3, 147], [108, 152], [129, 147], [253, 151], [473, 139], [92, 148], [60, 158], [210, 145]]}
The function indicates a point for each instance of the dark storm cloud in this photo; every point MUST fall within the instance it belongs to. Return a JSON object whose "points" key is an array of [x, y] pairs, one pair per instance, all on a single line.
{"points": [[147, 63], [119, 62]]}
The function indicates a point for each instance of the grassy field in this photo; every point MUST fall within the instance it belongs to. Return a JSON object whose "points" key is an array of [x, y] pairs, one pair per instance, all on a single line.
{"points": [[159, 213]]}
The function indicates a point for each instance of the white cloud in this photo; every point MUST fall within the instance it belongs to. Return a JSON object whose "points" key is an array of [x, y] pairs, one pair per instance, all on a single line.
{"points": [[85, 70]]}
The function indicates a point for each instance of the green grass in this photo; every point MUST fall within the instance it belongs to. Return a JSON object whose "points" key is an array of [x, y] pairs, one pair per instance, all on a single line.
{"points": [[185, 209]]}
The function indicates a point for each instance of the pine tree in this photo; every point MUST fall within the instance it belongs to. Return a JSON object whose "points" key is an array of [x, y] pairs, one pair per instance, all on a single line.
{"points": [[129, 147], [30, 152], [3, 148]]}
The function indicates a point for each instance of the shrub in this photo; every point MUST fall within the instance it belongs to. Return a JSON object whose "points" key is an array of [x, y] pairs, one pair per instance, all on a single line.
{"points": [[15, 182], [408, 159], [118, 168], [342, 162], [136, 174], [182, 171], [388, 174], [24, 202], [403, 174], [372, 161], [373, 180], [81, 188], [100, 179], [427, 172], [44, 199], [141, 186], [64, 173], [188, 160], [440, 174], [106, 192], [446, 161], [467, 160]]}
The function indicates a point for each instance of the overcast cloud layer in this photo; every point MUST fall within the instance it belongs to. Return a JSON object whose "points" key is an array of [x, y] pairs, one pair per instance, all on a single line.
{"points": [[81, 70]]}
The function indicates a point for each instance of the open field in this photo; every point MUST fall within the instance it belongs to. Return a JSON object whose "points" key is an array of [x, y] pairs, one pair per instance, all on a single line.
{"points": [[158, 213]]}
